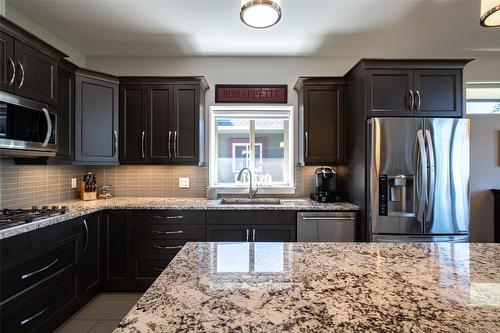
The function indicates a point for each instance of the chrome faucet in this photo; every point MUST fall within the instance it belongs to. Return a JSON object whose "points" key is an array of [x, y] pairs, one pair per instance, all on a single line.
{"points": [[251, 191]]}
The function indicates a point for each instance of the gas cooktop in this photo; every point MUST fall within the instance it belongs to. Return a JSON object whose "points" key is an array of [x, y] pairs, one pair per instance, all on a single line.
{"points": [[14, 217]]}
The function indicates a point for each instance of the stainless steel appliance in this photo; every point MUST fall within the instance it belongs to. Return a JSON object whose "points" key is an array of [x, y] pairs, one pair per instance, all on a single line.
{"points": [[13, 217], [418, 179], [325, 179], [326, 226], [27, 128]]}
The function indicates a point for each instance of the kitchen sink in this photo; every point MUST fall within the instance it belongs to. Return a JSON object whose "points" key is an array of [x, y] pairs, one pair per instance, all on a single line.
{"points": [[246, 201]]}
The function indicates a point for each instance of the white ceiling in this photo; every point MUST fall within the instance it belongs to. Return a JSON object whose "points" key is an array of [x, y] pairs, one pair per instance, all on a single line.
{"points": [[358, 28]]}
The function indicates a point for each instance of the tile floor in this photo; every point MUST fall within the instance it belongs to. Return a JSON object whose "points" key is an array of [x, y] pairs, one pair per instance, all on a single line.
{"points": [[101, 315]]}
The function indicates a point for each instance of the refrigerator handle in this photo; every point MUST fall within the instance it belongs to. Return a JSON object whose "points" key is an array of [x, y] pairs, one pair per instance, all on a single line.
{"points": [[432, 175], [423, 176]]}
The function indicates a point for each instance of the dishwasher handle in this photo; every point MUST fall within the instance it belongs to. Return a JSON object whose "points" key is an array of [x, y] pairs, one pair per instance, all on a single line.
{"points": [[328, 218]]}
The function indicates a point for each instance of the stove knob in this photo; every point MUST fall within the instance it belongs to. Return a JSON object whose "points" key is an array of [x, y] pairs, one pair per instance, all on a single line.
{"points": [[34, 208], [54, 208], [64, 209], [45, 207]]}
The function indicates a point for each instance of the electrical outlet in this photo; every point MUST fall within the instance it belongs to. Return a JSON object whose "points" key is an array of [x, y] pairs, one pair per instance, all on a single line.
{"points": [[73, 182], [184, 182]]}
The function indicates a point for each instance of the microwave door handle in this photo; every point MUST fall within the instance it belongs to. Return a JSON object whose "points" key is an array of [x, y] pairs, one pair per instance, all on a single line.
{"points": [[432, 175], [423, 176], [49, 127]]}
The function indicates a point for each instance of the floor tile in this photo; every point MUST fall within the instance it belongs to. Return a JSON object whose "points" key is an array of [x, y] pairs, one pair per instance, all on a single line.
{"points": [[76, 326], [105, 326]]}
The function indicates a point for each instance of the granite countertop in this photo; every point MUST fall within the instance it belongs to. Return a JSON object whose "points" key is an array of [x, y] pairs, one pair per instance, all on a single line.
{"points": [[79, 208], [323, 287]]}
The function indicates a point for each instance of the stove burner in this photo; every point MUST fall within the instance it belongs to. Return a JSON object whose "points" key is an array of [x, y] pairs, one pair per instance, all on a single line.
{"points": [[13, 217]]}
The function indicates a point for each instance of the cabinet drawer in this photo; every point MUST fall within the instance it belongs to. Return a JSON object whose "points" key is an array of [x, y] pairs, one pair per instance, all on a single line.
{"points": [[37, 309], [169, 216], [148, 268], [250, 217], [158, 246], [16, 246], [168, 231], [24, 272]]}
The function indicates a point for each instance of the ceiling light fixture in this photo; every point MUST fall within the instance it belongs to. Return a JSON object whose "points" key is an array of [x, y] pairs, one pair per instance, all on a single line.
{"points": [[260, 14], [490, 13]]}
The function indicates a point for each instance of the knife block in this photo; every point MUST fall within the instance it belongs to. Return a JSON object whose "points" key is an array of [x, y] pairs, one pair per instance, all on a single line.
{"points": [[87, 196]]}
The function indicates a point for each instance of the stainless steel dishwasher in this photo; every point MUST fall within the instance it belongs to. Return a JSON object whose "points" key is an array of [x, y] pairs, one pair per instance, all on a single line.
{"points": [[326, 226]]}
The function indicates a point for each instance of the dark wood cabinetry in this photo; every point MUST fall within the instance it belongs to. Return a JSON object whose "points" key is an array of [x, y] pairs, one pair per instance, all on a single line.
{"points": [[321, 102], [388, 92], [160, 120], [90, 276], [96, 118], [28, 65]]}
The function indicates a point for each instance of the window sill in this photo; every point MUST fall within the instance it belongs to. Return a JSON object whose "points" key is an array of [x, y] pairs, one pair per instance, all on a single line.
{"points": [[262, 190]]}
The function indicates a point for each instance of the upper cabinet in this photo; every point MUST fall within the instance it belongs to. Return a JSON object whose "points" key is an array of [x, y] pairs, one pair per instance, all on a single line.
{"points": [[410, 88], [161, 120], [28, 66], [96, 118], [321, 104]]}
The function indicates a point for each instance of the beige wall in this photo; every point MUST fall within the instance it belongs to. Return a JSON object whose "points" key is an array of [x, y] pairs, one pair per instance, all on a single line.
{"points": [[75, 55]]}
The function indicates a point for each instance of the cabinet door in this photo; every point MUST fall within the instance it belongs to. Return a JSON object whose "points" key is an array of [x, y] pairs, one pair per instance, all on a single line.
{"points": [[90, 266], [438, 93], [116, 250], [160, 136], [388, 93], [273, 233], [324, 124], [36, 74], [65, 114], [228, 233], [184, 123], [132, 123], [7, 65], [96, 116]]}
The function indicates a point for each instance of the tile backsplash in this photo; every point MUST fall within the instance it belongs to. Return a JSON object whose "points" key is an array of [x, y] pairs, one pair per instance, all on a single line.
{"points": [[27, 185]]}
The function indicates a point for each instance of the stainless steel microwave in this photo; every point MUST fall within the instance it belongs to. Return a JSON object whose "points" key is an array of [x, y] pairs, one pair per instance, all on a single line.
{"points": [[27, 128]]}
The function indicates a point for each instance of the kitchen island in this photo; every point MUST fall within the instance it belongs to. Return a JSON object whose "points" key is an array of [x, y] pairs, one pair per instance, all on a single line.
{"points": [[324, 287]]}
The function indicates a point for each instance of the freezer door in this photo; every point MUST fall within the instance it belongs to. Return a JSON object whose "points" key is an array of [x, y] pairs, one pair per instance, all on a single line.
{"points": [[448, 148], [419, 239], [396, 177]]}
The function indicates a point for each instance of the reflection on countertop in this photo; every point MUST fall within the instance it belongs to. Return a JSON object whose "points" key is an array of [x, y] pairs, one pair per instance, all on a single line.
{"points": [[324, 287], [79, 208]]}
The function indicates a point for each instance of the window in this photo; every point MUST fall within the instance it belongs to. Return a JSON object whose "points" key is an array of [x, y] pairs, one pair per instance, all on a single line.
{"points": [[253, 137], [483, 98]]}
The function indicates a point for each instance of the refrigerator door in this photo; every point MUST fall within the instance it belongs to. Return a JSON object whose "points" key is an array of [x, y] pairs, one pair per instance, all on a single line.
{"points": [[396, 194], [419, 239], [448, 148]]}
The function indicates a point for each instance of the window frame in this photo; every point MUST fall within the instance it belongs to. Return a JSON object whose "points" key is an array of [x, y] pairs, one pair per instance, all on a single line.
{"points": [[472, 85], [246, 111]]}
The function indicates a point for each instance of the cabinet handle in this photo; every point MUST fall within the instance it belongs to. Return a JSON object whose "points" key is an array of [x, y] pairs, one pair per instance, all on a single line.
{"points": [[307, 144], [158, 269], [248, 235], [253, 235], [115, 135], [411, 100], [49, 127], [169, 145], [25, 276], [167, 247], [175, 143], [142, 143], [169, 217], [419, 100], [22, 74], [27, 320], [11, 81], [86, 236], [168, 232]]}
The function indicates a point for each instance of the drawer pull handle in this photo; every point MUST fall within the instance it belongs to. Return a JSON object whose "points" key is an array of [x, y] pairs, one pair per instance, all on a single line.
{"points": [[25, 276], [167, 247], [169, 217], [27, 320], [158, 269], [324, 218], [168, 232]]}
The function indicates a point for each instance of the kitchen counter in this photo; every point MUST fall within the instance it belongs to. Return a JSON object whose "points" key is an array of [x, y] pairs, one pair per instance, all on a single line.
{"points": [[79, 208], [323, 287]]}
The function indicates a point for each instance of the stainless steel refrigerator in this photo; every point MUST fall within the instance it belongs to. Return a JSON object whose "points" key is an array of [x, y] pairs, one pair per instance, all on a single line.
{"points": [[418, 181]]}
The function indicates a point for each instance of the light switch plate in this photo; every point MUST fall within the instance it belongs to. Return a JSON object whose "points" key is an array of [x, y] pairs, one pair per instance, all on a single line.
{"points": [[183, 182], [73, 182]]}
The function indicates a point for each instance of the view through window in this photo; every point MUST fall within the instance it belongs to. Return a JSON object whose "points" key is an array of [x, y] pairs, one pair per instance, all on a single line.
{"points": [[483, 98]]}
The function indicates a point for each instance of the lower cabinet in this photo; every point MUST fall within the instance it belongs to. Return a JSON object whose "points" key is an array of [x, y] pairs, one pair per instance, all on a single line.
{"points": [[90, 268], [228, 233]]}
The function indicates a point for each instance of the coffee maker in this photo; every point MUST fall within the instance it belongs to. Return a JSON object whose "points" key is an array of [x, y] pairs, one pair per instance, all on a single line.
{"points": [[326, 185]]}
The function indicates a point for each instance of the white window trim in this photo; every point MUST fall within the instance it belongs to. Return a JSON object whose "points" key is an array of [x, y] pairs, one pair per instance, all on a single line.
{"points": [[268, 111]]}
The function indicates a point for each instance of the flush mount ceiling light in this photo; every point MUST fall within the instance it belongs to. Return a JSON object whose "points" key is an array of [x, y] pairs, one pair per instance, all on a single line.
{"points": [[260, 14], [490, 13]]}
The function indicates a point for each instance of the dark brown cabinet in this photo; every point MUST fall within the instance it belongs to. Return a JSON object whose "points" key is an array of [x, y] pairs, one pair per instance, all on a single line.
{"points": [[321, 102], [229, 233], [90, 277], [28, 66], [96, 118], [160, 120], [389, 92]]}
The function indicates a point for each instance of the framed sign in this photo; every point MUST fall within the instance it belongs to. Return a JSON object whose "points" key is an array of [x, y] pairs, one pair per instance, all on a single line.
{"points": [[251, 93]]}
